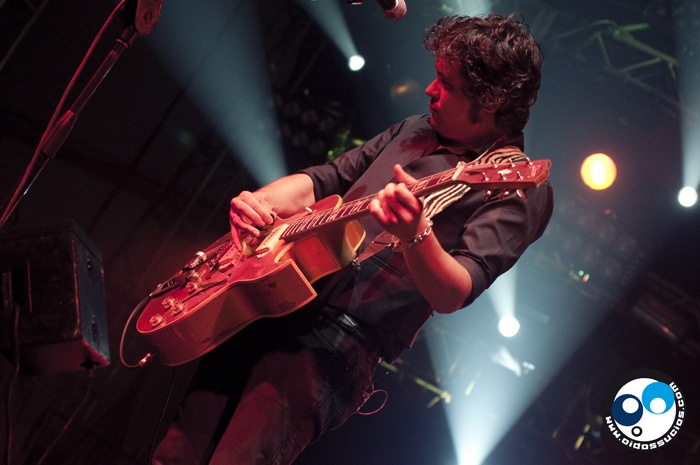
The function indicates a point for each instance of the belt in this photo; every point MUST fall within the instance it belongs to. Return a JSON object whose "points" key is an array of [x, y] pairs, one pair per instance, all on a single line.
{"points": [[350, 326]]}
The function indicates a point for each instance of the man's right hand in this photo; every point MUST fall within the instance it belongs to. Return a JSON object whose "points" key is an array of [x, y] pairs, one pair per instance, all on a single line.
{"points": [[284, 197], [248, 213]]}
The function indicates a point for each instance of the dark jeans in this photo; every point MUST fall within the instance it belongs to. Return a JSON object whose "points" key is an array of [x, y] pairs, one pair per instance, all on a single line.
{"points": [[294, 377]]}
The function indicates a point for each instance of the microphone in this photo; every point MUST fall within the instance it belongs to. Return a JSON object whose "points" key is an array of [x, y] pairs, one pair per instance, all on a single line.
{"points": [[393, 9], [143, 15]]}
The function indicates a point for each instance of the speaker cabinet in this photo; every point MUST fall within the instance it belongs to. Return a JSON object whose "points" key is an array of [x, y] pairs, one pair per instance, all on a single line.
{"points": [[53, 305]]}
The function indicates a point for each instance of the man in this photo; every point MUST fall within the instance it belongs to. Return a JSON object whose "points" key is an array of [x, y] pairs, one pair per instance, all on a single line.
{"points": [[271, 390]]}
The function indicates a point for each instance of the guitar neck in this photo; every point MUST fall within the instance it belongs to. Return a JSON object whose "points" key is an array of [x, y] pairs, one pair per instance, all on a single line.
{"points": [[511, 175], [356, 208]]}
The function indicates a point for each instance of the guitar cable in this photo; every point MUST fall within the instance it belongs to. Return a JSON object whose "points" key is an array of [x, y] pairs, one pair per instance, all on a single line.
{"points": [[161, 417], [13, 381], [142, 362], [134, 313]]}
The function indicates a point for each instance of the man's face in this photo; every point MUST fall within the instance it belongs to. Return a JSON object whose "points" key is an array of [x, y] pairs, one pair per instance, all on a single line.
{"points": [[455, 116]]}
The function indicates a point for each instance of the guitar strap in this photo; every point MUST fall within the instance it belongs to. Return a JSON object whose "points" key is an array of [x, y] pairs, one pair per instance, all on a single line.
{"points": [[440, 200]]}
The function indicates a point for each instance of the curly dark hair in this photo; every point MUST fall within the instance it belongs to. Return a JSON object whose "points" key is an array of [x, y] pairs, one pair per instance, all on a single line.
{"points": [[501, 63]]}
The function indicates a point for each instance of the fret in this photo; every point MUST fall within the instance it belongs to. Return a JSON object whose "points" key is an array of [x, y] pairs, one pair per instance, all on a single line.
{"points": [[324, 216], [299, 225], [293, 228], [336, 213], [432, 183], [359, 205], [419, 186], [314, 220]]}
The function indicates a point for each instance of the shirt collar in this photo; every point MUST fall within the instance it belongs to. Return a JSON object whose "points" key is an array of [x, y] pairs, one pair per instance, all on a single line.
{"points": [[518, 141]]}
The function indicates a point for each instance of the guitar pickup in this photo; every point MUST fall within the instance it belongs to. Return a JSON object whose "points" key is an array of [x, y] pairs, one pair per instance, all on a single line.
{"points": [[271, 240]]}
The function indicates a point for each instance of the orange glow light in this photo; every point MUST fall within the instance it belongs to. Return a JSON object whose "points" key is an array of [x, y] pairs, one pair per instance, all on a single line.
{"points": [[598, 171]]}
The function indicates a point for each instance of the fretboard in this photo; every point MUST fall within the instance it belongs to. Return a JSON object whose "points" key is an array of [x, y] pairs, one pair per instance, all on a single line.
{"points": [[355, 208]]}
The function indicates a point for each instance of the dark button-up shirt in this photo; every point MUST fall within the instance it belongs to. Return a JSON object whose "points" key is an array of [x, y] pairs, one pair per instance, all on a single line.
{"points": [[485, 235]]}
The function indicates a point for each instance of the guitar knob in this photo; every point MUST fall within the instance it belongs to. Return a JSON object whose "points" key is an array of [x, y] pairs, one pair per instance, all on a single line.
{"points": [[178, 307], [193, 286], [156, 319]]}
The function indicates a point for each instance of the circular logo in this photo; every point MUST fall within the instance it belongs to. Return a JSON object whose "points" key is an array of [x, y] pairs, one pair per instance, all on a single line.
{"points": [[645, 409]]}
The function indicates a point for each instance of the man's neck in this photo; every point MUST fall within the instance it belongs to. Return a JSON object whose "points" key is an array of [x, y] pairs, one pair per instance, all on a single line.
{"points": [[479, 146]]}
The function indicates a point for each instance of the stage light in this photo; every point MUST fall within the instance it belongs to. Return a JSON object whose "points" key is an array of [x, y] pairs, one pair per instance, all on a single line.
{"points": [[598, 171], [687, 30], [508, 326], [329, 17], [225, 74], [688, 197], [404, 88], [583, 276], [356, 62]]}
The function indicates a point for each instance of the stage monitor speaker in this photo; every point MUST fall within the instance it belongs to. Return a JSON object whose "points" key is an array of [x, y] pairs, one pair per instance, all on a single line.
{"points": [[53, 300]]}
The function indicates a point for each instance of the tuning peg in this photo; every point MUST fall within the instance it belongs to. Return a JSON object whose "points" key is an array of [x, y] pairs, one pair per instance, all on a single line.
{"points": [[504, 194]]}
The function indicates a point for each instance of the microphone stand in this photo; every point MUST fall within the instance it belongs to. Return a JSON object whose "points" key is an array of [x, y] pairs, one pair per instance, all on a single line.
{"points": [[143, 16], [57, 135]]}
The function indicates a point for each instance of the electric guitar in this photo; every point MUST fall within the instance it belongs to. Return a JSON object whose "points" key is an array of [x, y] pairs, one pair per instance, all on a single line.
{"points": [[223, 290]]}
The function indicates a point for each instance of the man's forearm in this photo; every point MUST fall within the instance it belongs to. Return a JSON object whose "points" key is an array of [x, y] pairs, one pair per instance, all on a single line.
{"points": [[288, 195], [440, 279]]}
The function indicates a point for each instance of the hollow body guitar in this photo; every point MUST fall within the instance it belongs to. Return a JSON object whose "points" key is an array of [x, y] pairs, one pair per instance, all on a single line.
{"points": [[223, 290]]}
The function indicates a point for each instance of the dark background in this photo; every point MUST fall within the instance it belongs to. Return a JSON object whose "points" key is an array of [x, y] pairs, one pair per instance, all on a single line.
{"points": [[147, 174]]}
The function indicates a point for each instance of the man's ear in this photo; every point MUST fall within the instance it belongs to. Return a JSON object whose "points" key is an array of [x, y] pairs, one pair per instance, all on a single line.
{"points": [[487, 114]]}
